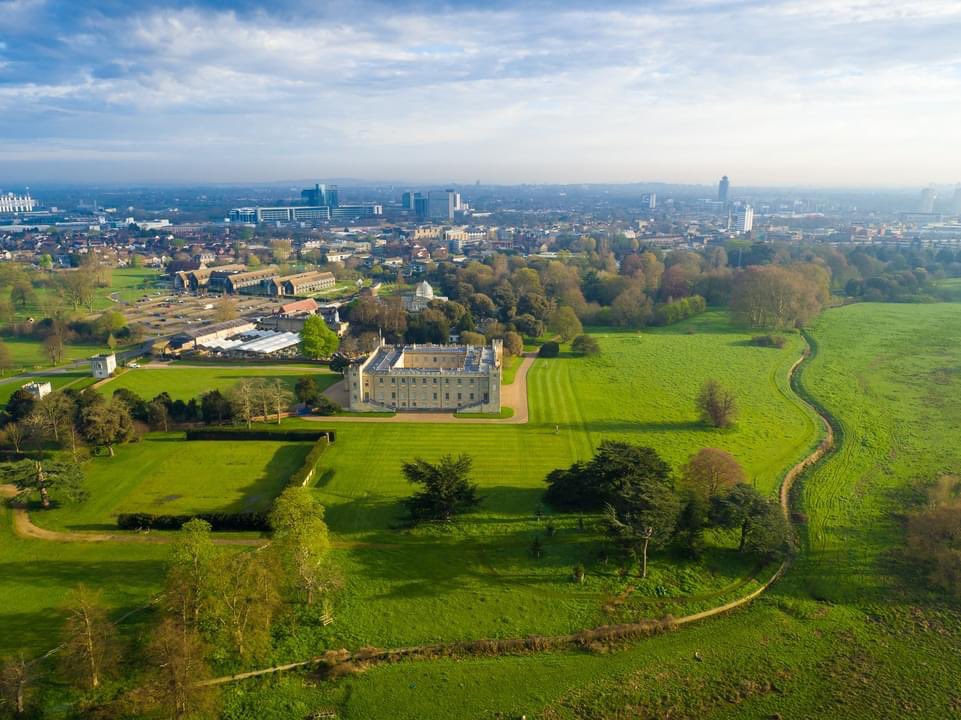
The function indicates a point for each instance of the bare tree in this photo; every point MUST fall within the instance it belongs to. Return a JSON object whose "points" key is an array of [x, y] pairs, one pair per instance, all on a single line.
{"points": [[244, 398], [89, 649], [717, 405], [280, 396], [52, 413], [15, 680], [15, 433], [177, 655]]}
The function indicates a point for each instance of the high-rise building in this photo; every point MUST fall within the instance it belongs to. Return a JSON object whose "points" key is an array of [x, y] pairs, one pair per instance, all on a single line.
{"points": [[723, 188], [320, 195], [744, 220], [927, 200], [956, 201], [407, 199], [441, 204], [649, 201]]}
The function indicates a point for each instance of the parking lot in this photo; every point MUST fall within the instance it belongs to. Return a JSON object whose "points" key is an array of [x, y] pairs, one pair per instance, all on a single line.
{"points": [[165, 312]]}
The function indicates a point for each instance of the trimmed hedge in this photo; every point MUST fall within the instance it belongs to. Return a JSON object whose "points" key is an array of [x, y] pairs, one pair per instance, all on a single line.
{"points": [[304, 473], [291, 435], [218, 521]]}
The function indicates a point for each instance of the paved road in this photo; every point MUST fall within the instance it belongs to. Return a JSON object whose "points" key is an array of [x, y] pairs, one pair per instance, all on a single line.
{"points": [[512, 396]]}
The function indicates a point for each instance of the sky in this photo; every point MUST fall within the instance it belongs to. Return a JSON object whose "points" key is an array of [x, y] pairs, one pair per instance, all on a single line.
{"points": [[828, 93]]}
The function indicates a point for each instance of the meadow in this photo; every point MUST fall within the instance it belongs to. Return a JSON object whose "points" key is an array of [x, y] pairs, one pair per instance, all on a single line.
{"points": [[477, 578], [59, 381], [126, 285], [183, 382], [852, 631], [164, 474]]}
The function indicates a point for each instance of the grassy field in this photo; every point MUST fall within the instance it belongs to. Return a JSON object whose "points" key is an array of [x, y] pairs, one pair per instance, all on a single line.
{"points": [[28, 354], [478, 578], [166, 475], [78, 380], [851, 632], [126, 285], [184, 382]]}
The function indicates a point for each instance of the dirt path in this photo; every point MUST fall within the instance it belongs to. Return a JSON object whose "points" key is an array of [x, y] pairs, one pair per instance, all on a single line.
{"points": [[24, 527], [513, 396]]}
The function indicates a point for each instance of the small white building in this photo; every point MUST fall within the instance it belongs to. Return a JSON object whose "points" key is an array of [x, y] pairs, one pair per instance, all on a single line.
{"points": [[103, 366], [39, 390]]}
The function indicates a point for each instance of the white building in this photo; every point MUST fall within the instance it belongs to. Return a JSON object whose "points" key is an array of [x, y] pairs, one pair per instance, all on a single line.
{"points": [[39, 390], [744, 220], [421, 298], [928, 196], [11, 203], [103, 366]]}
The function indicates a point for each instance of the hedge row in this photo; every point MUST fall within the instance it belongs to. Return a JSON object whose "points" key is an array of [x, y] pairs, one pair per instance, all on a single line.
{"points": [[291, 435], [218, 521], [303, 474]]}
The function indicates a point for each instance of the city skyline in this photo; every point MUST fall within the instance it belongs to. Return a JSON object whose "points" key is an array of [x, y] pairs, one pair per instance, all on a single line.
{"points": [[831, 94]]}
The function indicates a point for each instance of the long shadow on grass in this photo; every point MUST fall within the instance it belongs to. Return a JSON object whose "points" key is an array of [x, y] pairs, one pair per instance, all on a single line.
{"points": [[381, 513], [433, 565], [627, 426]]}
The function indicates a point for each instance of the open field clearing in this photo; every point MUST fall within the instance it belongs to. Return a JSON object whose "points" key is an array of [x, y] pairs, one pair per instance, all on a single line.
{"points": [[852, 631], [165, 474], [478, 578], [58, 381]]}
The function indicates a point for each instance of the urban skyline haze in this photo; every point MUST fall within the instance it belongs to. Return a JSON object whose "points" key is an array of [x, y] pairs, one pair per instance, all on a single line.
{"points": [[831, 93]]}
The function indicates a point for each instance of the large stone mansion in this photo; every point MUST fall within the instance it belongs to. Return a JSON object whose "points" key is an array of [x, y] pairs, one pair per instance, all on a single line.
{"points": [[427, 377]]}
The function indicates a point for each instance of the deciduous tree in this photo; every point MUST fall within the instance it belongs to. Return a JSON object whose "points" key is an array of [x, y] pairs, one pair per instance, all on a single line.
{"points": [[302, 542], [717, 405], [711, 471], [318, 340], [89, 651]]}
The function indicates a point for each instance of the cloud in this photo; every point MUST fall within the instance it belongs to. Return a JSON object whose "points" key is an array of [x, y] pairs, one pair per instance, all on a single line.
{"points": [[792, 91]]}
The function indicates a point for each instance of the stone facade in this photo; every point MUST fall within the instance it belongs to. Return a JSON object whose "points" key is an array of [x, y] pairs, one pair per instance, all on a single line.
{"points": [[427, 377]]}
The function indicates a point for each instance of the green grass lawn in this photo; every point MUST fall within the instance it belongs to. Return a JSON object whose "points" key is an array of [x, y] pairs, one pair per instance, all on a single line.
{"points": [[851, 632], [28, 354], [78, 380], [509, 372], [184, 382], [164, 474], [477, 578], [126, 285], [478, 575]]}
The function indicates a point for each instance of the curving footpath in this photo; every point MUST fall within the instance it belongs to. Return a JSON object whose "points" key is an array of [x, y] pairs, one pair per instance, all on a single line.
{"points": [[23, 527]]}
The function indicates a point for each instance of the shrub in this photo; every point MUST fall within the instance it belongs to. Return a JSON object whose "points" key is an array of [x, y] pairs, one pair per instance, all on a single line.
{"points": [[325, 406], [550, 349], [585, 345], [776, 341]]}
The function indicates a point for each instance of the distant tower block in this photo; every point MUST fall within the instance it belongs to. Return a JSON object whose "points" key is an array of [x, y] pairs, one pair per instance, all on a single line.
{"points": [[723, 188], [927, 200]]}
